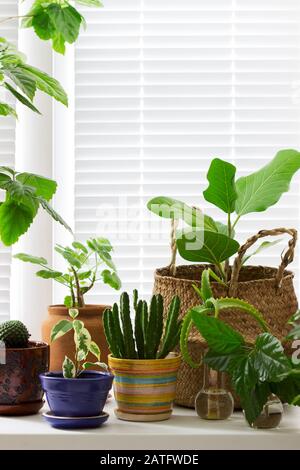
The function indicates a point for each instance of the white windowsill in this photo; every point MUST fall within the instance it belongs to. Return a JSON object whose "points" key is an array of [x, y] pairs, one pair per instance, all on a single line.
{"points": [[183, 431]]}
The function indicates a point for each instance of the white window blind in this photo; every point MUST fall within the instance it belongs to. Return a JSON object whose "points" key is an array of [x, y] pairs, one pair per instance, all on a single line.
{"points": [[8, 30], [162, 87]]}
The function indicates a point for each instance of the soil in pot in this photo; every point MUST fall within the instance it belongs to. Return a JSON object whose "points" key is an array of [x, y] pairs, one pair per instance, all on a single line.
{"points": [[91, 315], [20, 388]]}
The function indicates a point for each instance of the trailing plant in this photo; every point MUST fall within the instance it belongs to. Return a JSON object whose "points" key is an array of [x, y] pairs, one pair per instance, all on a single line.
{"points": [[85, 268], [205, 240], [83, 346], [149, 339], [55, 20], [256, 370], [25, 193]]}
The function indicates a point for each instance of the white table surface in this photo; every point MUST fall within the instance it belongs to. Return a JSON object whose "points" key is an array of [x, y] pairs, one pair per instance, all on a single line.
{"points": [[184, 431]]}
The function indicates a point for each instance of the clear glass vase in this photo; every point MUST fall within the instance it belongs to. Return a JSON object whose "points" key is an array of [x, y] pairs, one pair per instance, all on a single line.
{"points": [[214, 401], [271, 414]]}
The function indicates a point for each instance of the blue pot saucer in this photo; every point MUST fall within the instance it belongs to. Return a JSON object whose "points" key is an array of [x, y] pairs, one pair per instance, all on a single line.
{"points": [[63, 422]]}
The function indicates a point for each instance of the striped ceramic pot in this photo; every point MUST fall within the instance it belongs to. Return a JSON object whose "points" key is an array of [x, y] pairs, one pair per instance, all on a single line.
{"points": [[144, 389]]}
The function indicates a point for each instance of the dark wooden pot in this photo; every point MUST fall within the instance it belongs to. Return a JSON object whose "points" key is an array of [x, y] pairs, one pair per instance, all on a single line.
{"points": [[20, 387]]}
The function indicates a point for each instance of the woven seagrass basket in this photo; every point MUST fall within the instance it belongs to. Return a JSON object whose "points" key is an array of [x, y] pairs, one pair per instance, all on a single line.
{"points": [[269, 289]]}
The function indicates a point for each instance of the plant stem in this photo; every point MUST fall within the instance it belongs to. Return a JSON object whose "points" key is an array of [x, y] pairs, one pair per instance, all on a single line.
{"points": [[229, 235], [221, 271], [79, 295], [236, 221], [72, 295]]}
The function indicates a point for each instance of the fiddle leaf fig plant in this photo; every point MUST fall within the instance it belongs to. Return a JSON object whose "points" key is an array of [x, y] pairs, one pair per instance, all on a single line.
{"points": [[253, 193], [87, 263], [83, 346]]}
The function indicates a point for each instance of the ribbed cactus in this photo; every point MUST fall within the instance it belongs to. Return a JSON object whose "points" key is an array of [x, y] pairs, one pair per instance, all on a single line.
{"points": [[150, 339]]}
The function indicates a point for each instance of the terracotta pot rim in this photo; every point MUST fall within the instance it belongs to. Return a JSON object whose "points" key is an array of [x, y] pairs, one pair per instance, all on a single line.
{"points": [[86, 307], [174, 357], [33, 346], [159, 275]]}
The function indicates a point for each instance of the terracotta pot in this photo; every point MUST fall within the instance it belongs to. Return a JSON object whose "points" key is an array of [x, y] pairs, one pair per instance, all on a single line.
{"points": [[144, 388], [21, 392], [91, 315]]}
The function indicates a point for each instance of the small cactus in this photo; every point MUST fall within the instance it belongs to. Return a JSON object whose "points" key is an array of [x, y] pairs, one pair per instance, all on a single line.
{"points": [[150, 340]]}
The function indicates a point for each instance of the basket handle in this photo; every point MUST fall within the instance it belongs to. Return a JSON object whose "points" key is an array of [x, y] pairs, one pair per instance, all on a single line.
{"points": [[286, 258]]}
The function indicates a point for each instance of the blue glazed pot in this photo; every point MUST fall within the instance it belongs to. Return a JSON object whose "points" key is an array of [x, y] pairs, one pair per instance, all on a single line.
{"points": [[84, 396]]}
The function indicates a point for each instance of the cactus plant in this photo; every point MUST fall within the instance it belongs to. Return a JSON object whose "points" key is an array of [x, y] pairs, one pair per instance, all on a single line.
{"points": [[149, 339]]}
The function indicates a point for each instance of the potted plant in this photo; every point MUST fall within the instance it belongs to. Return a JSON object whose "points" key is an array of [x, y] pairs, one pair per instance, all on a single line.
{"points": [[142, 361], [209, 242], [87, 264], [21, 362], [76, 396], [261, 370]]}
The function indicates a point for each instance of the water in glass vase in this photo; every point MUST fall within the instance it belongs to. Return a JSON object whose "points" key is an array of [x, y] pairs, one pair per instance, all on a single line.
{"points": [[214, 401], [271, 414]]}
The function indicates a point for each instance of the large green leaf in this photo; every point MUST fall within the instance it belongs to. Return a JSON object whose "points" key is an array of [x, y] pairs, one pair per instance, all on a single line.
{"points": [[269, 358], [253, 401], [67, 21], [221, 190], [170, 208], [60, 329], [45, 83], [44, 187], [22, 194], [262, 189], [21, 98], [220, 337], [31, 259], [15, 219], [206, 246], [26, 84]]}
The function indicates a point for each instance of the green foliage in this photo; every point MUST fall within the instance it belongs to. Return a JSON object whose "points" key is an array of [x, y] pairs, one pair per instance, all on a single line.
{"points": [[25, 193], [149, 340], [253, 193], [85, 268], [23, 80], [262, 189], [263, 246], [221, 191], [256, 370], [83, 346], [219, 336], [205, 316], [59, 22], [206, 246]]}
